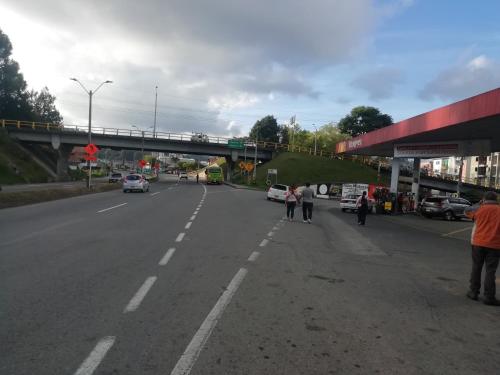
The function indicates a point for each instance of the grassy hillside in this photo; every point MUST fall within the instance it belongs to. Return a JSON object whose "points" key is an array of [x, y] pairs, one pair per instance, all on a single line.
{"points": [[299, 168], [16, 166]]}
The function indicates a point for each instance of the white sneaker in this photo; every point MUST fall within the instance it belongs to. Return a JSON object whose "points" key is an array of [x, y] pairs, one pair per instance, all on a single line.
{"points": [[309, 221], [305, 221]]}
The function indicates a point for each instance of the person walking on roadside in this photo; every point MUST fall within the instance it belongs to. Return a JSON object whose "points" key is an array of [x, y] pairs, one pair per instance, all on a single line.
{"points": [[485, 247], [307, 203], [291, 200], [197, 177], [362, 206]]}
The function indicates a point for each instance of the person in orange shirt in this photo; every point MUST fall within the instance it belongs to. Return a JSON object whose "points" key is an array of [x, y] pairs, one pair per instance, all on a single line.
{"points": [[485, 247]]}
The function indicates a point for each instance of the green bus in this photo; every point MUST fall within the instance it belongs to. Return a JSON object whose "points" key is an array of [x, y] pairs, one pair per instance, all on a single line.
{"points": [[214, 175]]}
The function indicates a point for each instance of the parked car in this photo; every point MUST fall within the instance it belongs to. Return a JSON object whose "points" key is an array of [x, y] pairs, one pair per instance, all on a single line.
{"points": [[183, 174], [277, 192], [135, 182], [349, 203], [448, 208], [115, 177]]}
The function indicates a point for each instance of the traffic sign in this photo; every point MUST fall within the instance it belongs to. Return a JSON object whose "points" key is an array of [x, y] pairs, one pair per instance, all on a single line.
{"points": [[91, 149], [249, 167], [142, 163], [242, 165], [235, 143]]}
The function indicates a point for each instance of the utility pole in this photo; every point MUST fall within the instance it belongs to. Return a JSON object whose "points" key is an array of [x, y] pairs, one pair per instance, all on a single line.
{"points": [[315, 140], [156, 102], [255, 157]]}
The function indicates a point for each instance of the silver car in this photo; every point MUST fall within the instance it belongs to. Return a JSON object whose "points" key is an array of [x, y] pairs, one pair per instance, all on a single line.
{"points": [[448, 208], [135, 182]]}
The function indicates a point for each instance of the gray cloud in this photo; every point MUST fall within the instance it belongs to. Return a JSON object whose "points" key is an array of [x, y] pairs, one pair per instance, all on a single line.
{"points": [[458, 82], [379, 83], [197, 52]]}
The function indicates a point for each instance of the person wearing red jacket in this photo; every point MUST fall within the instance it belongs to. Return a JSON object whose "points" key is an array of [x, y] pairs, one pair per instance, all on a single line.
{"points": [[485, 247]]}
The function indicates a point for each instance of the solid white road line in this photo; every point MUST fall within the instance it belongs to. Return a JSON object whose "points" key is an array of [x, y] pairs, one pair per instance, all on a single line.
{"points": [[263, 243], [253, 257], [180, 237], [110, 208], [188, 225], [167, 256], [96, 356], [152, 194], [192, 217], [141, 293], [190, 355], [456, 231], [270, 234]]}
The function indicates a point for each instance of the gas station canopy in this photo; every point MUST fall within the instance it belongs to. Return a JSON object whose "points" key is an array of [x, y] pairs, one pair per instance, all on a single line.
{"points": [[468, 127]]}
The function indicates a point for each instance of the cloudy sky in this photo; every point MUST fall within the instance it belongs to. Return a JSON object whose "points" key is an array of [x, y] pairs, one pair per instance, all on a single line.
{"points": [[221, 65]]}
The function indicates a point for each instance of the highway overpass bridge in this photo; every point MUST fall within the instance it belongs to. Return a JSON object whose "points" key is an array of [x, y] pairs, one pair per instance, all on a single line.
{"points": [[64, 138]]}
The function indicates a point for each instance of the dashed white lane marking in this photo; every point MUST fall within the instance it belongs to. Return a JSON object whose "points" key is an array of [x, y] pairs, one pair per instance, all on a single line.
{"points": [[152, 194], [141, 293], [110, 208], [188, 225], [190, 355], [199, 207], [264, 242], [180, 237], [270, 234], [192, 217], [196, 212], [253, 257], [457, 231], [275, 228], [96, 356], [167, 256]]}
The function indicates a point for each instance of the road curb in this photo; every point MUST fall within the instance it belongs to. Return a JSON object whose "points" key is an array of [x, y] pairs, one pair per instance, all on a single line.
{"points": [[235, 186]]}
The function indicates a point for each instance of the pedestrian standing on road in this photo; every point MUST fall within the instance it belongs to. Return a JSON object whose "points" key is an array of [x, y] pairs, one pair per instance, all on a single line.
{"points": [[485, 247], [307, 203], [197, 177], [362, 206], [291, 200]]}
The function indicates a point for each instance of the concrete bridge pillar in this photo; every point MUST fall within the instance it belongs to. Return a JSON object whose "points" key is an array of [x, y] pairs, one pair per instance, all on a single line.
{"points": [[63, 153], [230, 167], [396, 163], [415, 184]]}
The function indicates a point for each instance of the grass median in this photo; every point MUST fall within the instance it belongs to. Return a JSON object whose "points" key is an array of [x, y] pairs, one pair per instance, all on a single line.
{"points": [[21, 198]]}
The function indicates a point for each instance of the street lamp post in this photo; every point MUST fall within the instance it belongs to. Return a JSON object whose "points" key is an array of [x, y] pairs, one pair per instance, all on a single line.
{"points": [[90, 94], [255, 156]]}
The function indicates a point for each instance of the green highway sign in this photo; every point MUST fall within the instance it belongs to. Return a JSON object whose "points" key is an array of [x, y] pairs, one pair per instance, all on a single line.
{"points": [[235, 143]]}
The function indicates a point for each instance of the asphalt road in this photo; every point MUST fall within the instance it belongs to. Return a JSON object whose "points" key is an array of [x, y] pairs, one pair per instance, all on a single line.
{"points": [[210, 280]]}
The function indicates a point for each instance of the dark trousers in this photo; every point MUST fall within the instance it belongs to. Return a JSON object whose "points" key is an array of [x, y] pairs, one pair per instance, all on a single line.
{"points": [[290, 209], [362, 211], [490, 259], [307, 210]]}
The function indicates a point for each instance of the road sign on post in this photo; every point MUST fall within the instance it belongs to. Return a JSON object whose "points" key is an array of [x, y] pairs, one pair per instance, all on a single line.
{"points": [[91, 149], [236, 143]]}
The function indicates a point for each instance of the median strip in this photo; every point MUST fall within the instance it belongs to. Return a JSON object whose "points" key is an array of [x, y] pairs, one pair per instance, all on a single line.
{"points": [[111, 208], [139, 296]]}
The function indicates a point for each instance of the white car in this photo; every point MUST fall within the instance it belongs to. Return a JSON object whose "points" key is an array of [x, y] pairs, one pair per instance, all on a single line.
{"points": [[277, 192], [135, 182], [183, 174], [349, 203]]}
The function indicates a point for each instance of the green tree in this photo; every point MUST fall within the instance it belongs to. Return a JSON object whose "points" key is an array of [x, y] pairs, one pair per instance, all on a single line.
{"points": [[43, 107], [13, 96], [266, 129], [283, 134], [362, 120]]}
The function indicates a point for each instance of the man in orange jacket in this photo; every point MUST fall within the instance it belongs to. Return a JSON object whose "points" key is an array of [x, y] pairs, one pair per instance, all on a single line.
{"points": [[485, 247]]}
